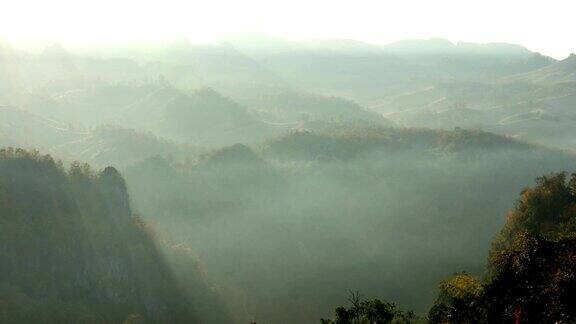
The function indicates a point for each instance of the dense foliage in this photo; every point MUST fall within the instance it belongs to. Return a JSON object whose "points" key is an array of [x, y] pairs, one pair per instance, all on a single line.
{"points": [[295, 171], [371, 311], [71, 250], [532, 265], [294, 222]]}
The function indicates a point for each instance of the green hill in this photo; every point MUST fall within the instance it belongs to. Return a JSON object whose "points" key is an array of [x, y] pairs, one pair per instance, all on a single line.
{"points": [[300, 219], [73, 252], [563, 71]]}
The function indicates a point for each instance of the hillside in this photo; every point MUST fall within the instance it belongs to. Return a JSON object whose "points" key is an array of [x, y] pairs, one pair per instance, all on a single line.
{"points": [[370, 73], [206, 117], [74, 252], [530, 273], [563, 71], [22, 128], [265, 178], [530, 268], [284, 106], [221, 67], [365, 191], [536, 106], [100, 102], [121, 146]]}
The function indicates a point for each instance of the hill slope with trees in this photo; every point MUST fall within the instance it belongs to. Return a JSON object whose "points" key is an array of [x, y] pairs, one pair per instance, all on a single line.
{"points": [[267, 220], [73, 252]]}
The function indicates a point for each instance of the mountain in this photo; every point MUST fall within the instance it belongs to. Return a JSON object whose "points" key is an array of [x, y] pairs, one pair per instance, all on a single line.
{"points": [[369, 73], [285, 106], [72, 251], [54, 69], [19, 127], [147, 110], [262, 179], [95, 103], [350, 74], [216, 66], [101, 146], [235, 154], [439, 46], [64, 85], [414, 46], [563, 71], [59, 58], [259, 46], [12, 86], [112, 145], [464, 62], [115, 70], [536, 105], [350, 142], [216, 181], [206, 117], [530, 273], [266, 220], [57, 69]]}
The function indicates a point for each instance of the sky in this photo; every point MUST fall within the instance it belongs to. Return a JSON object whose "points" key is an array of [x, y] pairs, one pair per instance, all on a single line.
{"points": [[542, 26]]}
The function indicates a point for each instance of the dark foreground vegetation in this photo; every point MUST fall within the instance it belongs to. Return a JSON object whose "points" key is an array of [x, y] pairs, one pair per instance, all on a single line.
{"points": [[297, 221], [531, 276], [371, 311], [71, 251], [258, 181]]}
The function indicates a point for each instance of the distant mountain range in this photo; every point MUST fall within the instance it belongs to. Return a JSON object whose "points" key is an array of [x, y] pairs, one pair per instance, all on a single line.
{"points": [[278, 83], [295, 170]]}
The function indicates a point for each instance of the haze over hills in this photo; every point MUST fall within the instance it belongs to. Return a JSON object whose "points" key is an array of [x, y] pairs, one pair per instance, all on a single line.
{"points": [[369, 72], [19, 127], [364, 191], [563, 71], [121, 147], [260, 179], [536, 105], [78, 254]]}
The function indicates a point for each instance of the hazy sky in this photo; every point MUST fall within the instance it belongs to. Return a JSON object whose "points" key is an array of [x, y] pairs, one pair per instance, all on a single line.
{"points": [[544, 26]]}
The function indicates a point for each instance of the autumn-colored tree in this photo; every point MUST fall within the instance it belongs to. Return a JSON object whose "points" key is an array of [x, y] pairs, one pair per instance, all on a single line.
{"points": [[532, 265]]}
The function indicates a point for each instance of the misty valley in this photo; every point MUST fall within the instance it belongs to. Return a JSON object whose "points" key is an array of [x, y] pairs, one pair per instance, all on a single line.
{"points": [[264, 180]]}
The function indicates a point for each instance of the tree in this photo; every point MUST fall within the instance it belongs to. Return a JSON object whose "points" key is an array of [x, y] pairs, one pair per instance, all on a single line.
{"points": [[532, 264], [371, 311]]}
